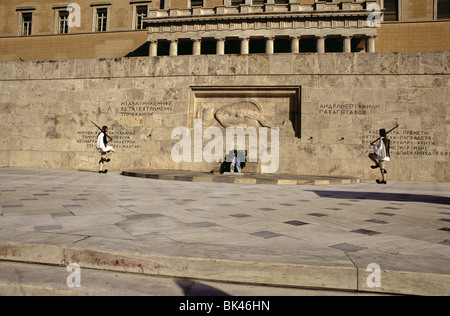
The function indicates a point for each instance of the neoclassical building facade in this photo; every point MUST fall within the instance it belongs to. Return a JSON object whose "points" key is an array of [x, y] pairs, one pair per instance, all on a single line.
{"points": [[56, 29]]}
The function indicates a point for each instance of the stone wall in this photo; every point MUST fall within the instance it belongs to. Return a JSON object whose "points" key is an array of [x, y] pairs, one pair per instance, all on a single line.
{"points": [[73, 46], [420, 36], [328, 108]]}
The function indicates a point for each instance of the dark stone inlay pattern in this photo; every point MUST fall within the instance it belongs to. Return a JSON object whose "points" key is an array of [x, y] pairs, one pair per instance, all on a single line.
{"points": [[445, 242], [143, 216], [240, 215], [61, 214], [296, 223], [376, 221], [385, 214], [348, 247], [194, 209], [365, 232], [317, 214], [267, 209], [266, 234]]}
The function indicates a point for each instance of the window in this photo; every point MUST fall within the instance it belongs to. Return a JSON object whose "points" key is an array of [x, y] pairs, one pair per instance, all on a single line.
{"points": [[196, 3], [443, 9], [63, 24], [27, 19], [141, 14], [391, 10], [237, 2], [102, 20]]}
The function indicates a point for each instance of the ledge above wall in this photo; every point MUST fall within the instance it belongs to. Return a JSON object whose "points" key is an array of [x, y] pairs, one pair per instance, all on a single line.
{"points": [[426, 63]]}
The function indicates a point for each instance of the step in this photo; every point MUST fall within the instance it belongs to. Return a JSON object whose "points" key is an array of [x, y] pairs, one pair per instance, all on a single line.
{"points": [[24, 279], [322, 268]]}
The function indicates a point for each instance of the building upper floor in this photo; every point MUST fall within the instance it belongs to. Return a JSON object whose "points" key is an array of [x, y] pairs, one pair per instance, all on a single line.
{"points": [[46, 17], [79, 29]]}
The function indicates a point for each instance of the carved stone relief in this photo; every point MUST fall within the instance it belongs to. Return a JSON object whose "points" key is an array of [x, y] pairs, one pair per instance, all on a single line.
{"points": [[275, 107]]}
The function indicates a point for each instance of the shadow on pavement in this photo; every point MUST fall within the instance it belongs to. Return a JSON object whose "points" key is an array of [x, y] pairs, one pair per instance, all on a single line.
{"points": [[195, 288], [378, 196]]}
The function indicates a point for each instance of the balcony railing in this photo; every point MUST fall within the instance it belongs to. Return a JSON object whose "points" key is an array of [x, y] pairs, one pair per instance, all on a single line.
{"points": [[297, 9]]}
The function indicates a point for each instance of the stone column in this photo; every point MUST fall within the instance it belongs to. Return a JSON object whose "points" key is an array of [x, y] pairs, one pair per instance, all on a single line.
{"points": [[196, 46], [347, 44], [371, 44], [320, 41], [295, 45], [245, 41], [173, 50], [220, 46], [269, 45], [153, 49]]}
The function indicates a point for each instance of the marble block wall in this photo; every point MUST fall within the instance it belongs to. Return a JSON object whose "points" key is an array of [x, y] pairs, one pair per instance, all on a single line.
{"points": [[328, 108]]}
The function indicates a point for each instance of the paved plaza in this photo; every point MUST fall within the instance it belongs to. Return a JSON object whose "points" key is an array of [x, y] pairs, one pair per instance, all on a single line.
{"points": [[363, 237]]}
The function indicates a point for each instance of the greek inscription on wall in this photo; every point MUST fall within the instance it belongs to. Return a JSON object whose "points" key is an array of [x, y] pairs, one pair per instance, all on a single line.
{"points": [[126, 139], [407, 143], [121, 139], [359, 108], [144, 108]]}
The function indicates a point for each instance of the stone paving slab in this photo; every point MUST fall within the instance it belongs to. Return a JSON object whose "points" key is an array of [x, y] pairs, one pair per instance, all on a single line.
{"points": [[302, 236]]}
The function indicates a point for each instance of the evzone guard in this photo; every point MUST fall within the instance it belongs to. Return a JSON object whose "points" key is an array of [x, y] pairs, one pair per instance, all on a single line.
{"points": [[381, 153], [103, 148]]}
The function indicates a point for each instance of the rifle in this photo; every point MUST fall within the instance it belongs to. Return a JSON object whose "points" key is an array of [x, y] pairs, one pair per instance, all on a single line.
{"points": [[386, 134], [102, 131]]}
